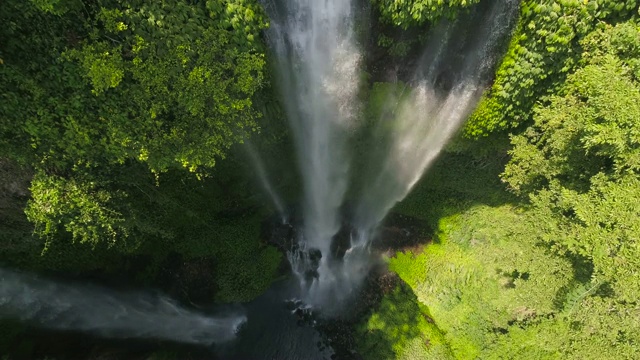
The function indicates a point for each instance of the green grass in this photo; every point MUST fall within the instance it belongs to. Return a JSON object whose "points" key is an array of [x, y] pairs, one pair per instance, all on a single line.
{"points": [[484, 279], [399, 328]]}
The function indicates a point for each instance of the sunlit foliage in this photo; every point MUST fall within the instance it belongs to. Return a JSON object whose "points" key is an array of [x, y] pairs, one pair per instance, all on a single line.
{"points": [[405, 13], [91, 88], [545, 48]]}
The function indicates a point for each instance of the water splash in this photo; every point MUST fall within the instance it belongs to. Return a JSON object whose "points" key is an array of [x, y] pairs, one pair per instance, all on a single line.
{"points": [[108, 313]]}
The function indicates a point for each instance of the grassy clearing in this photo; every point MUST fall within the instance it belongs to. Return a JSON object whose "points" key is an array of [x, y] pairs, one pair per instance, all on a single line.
{"points": [[400, 328], [485, 280]]}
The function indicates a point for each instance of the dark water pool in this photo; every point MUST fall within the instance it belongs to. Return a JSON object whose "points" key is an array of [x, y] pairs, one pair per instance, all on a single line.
{"points": [[274, 330]]}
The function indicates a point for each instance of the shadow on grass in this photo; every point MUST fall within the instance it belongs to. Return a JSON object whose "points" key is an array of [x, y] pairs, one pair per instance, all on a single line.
{"points": [[399, 327], [457, 182]]}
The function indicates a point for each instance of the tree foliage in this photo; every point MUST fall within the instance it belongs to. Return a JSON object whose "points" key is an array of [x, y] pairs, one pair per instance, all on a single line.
{"points": [[169, 84], [579, 164], [544, 50], [580, 161], [88, 88], [78, 206], [406, 13]]}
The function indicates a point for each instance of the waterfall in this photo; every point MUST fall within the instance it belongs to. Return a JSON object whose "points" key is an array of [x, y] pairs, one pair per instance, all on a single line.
{"points": [[109, 313], [444, 90], [318, 63]]}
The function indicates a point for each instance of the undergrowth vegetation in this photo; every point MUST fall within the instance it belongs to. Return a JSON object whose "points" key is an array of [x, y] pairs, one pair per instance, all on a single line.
{"points": [[400, 328]]}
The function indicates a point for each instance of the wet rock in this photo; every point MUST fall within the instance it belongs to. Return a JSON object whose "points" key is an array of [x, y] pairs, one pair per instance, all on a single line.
{"points": [[279, 234], [341, 242], [314, 256]]}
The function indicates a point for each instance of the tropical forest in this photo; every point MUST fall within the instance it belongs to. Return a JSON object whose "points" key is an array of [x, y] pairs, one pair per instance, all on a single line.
{"points": [[319, 179]]}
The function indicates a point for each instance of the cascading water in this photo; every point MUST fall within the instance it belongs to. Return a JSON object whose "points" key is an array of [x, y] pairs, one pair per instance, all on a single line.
{"points": [[453, 73], [318, 61], [109, 313]]}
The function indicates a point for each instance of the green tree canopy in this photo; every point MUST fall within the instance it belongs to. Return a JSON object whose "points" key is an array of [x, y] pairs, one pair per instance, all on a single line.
{"points": [[545, 48], [87, 88], [580, 165], [168, 83], [406, 13]]}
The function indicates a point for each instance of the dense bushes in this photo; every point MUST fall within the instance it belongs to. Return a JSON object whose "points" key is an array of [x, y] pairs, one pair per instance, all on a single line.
{"points": [[406, 13], [400, 328], [545, 48], [118, 107]]}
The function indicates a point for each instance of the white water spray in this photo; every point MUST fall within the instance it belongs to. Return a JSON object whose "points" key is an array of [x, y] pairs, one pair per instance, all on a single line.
{"points": [[430, 113], [319, 66], [108, 313], [319, 63]]}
